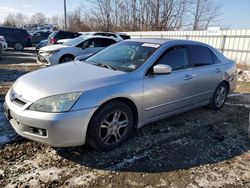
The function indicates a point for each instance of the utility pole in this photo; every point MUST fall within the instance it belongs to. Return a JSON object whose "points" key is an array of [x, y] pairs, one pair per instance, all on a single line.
{"points": [[65, 15]]}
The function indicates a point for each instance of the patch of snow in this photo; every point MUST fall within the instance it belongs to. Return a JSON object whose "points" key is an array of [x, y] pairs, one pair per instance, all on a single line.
{"points": [[28, 64], [237, 94], [28, 58], [220, 179], [83, 180], [127, 162], [240, 105], [7, 133], [4, 139], [36, 177], [244, 76]]}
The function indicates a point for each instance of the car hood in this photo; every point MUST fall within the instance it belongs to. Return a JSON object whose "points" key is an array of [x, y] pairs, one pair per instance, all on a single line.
{"points": [[50, 48], [65, 78]]}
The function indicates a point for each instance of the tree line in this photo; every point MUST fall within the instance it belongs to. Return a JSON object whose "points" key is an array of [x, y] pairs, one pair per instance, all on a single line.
{"points": [[131, 15]]}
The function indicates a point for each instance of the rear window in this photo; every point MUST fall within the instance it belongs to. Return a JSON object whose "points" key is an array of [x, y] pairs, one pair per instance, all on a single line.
{"points": [[5, 31], [215, 58], [107, 42], [124, 37], [200, 56]]}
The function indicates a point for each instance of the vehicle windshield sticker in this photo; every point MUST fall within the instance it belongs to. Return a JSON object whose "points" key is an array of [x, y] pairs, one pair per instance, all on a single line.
{"points": [[132, 66], [151, 45]]}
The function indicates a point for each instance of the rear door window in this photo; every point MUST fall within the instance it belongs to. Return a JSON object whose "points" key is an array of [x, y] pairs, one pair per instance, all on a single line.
{"points": [[215, 58], [107, 42], [176, 57], [125, 37], [111, 35], [200, 56]]}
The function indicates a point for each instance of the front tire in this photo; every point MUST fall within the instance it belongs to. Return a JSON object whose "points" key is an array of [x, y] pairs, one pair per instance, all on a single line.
{"points": [[66, 58], [219, 97], [110, 126], [18, 46]]}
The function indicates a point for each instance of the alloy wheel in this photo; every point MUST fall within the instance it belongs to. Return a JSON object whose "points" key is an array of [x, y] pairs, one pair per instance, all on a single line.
{"points": [[18, 46], [113, 128], [66, 59], [220, 96]]}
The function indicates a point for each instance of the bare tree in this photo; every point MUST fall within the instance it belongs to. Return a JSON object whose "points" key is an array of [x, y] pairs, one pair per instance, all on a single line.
{"points": [[205, 13], [133, 15], [57, 21], [15, 20], [38, 18], [76, 21]]}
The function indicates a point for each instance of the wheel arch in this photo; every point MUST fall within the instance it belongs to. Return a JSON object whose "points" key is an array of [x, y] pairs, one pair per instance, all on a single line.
{"points": [[124, 100], [64, 55], [227, 83]]}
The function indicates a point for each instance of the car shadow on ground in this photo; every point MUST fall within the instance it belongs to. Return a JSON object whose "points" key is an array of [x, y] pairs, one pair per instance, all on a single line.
{"points": [[184, 141], [10, 75]]}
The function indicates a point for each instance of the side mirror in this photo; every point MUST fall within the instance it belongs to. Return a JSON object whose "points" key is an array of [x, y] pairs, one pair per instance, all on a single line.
{"points": [[83, 57], [162, 69]]}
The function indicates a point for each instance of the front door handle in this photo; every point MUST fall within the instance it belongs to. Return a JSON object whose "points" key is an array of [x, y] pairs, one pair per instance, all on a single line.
{"points": [[218, 70], [188, 77]]}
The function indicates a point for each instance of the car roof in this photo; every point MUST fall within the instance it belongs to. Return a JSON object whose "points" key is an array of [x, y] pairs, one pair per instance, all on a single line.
{"points": [[98, 36], [6, 27], [162, 41]]}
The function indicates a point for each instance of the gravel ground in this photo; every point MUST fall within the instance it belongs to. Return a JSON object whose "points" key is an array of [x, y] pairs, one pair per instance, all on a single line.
{"points": [[200, 148]]}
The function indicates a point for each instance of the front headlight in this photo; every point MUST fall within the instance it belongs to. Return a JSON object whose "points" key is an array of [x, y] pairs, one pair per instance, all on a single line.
{"points": [[52, 52], [56, 103]]}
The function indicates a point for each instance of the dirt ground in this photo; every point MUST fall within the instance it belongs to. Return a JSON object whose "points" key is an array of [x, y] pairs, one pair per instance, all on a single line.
{"points": [[200, 148]]}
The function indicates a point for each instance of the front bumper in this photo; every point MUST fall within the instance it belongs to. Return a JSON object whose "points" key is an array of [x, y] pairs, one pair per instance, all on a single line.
{"points": [[55, 129], [47, 59], [5, 45]]}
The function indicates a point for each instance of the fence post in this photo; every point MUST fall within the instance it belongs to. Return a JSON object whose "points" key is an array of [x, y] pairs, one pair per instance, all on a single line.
{"points": [[223, 41]]}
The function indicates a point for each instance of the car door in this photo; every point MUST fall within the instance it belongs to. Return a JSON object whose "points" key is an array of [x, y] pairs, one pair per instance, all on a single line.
{"points": [[89, 46], [94, 45], [167, 93], [8, 35], [207, 73]]}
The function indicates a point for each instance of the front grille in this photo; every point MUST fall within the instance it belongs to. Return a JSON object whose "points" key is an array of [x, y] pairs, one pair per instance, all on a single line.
{"points": [[41, 59], [17, 99], [19, 102]]}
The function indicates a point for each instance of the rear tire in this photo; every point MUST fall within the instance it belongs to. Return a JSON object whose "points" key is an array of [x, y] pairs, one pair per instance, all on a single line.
{"points": [[18, 46], [219, 97], [66, 58], [110, 126]]}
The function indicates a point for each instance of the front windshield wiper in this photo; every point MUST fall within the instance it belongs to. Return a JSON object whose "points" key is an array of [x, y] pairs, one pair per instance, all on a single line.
{"points": [[105, 66]]}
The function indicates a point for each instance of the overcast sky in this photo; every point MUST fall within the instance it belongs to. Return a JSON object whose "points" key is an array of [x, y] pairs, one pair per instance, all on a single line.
{"points": [[235, 13]]}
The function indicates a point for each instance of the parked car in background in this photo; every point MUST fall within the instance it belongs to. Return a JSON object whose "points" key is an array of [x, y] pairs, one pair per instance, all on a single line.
{"points": [[58, 35], [82, 45], [16, 37], [126, 85], [1, 49], [41, 44], [62, 41], [3, 43], [39, 36], [119, 36]]}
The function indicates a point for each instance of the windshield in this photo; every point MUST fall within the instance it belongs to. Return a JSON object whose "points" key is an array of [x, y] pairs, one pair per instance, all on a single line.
{"points": [[74, 41], [125, 56]]}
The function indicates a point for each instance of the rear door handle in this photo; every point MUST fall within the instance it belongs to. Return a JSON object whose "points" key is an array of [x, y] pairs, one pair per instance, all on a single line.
{"points": [[218, 70], [188, 77]]}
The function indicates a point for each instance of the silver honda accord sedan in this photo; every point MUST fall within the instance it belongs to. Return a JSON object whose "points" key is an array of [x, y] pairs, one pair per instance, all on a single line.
{"points": [[129, 84]]}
